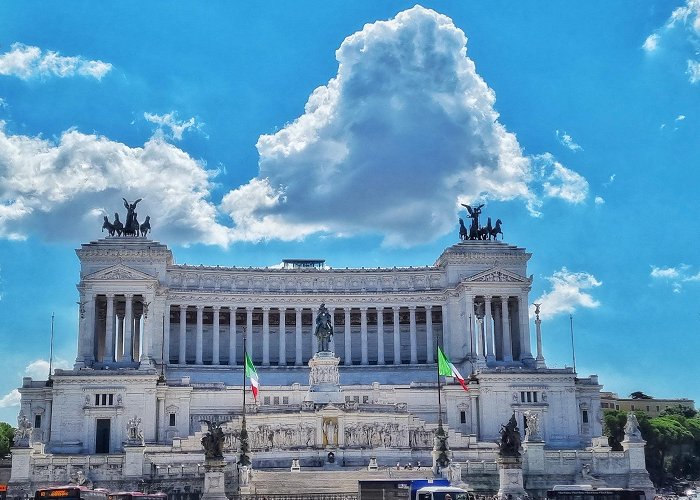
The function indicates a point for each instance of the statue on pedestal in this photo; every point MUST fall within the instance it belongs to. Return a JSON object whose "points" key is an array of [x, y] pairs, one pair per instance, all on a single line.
{"points": [[23, 432], [509, 445], [213, 441], [133, 432], [324, 328]]}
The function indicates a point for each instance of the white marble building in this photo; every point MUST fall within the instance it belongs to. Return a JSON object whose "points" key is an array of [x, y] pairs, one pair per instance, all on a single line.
{"points": [[164, 342]]}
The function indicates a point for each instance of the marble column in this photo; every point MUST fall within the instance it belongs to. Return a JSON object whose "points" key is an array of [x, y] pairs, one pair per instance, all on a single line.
{"points": [[297, 337], [250, 338], [128, 328], [119, 354], [397, 336], [137, 337], [215, 337], [471, 333], [429, 341], [282, 351], [182, 355], [348, 339], [314, 340], [266, 336], [363, 335], [525, 348], [166, 335], [109, 330], [507, 344], [232, 337], [488, 321], [412, 335], [198, 345], [331, 345], [380, 336]]}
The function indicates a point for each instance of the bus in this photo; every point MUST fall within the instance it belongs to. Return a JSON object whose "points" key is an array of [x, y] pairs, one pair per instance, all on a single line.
{"points": [[136, 495], [587, 492], [409, 489], [3, 491], [70, 492]]}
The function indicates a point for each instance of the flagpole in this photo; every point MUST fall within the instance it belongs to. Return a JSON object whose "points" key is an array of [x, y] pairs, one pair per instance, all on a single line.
{"points": [[49, 381], [244, 459], [439, 393]]}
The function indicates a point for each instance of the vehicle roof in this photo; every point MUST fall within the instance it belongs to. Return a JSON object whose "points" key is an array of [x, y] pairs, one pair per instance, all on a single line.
{"points": [[445, 489]]}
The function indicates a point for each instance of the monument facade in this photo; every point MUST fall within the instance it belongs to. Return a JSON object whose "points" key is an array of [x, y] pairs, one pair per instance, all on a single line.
{"points": [[160, 351]]}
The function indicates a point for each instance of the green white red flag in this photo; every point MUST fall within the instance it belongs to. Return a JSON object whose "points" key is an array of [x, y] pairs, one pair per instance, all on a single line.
{"points": [[447, 369], [252, 374]]}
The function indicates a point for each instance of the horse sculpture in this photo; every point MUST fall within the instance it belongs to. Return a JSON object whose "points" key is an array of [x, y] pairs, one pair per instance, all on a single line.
{"points": [[146, 226], [463, 233], [118, 226], [324, 328], [108, 226], [496, 230], [485, 232]]}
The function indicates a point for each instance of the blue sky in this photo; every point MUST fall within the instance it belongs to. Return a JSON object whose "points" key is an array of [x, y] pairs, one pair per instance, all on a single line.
{"points": [[351, 131]]}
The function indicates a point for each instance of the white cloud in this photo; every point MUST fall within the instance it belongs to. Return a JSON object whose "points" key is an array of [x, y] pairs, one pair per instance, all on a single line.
{"points": [[682, 28], [680, 118], [664, 272], [599, 200], [170, 122], [693, 71], [651, 42], [559, 181], [567, 293], [405, 129], [39, 369], [675, 276], [568, 141], [46, 185], [10, 399], [26, 61]]}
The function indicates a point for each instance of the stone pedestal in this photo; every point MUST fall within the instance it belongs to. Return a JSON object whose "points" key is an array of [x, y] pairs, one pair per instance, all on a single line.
{"points": [[21, 465], [295, 465], [534, 451], [324, 379], [373, 464], [510, 478], [133, 460], [214, 480], [244, 478], [639, 477]]}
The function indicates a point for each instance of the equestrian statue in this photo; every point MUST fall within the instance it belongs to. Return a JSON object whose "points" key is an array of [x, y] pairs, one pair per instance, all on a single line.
{"points": [[324, 328], [476, 231], [132, 227]]}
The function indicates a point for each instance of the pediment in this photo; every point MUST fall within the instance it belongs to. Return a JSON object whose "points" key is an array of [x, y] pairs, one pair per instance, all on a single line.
{"points": [[119, 272], [497, 275]]}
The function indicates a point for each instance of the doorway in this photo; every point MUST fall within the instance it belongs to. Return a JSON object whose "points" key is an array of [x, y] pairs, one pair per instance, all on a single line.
{"points": [[102, 429]]}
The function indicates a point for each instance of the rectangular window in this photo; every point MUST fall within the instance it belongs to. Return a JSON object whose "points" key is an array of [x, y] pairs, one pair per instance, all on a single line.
{"points": [[534, 397], [111, 399], [104, 399], [632, 407], [37, 421], [529, 396], [462, 417], [522, 396], [648, 407], [97, 399], [365, 399], [266, 400], [584, 416], [285, 400], [276, 400], [172, 420], [617, 407], [658, 408]]}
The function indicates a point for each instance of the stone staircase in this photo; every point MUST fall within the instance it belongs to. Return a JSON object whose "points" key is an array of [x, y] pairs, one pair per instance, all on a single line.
{"points": [[317, 480]]}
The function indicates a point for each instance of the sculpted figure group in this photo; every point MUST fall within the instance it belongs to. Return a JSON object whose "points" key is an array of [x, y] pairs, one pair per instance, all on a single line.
{"points": [[131, 227], [475, 231]]}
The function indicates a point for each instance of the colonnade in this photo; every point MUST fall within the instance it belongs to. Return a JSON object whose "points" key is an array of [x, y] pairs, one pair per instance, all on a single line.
{"points": [[119, 328], [499, 329], [284, 336]]}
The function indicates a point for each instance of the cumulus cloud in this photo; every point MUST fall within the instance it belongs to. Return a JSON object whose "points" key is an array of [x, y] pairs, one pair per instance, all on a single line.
{"points": [[599, 200], [402, 134], [10, 399], [567, 141], [46, 186], [39, 368], [675, 276], [169, 125], [26, 61], [569, 291], [651, 42], [682, 32], [559, 181]]}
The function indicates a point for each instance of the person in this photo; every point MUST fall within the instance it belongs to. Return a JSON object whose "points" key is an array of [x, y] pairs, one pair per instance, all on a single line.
{"points": [[398, 465], [448, 496]]}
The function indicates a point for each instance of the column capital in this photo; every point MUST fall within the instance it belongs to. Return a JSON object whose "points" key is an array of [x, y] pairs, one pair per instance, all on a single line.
{"points": [[428, 307], [487, 298], [216, 308], [249, 308], [110, 295], [396, 308], [183, 307], [266, 309], [128, 295], [200, 307], [412, 308], [504, 299], [298, 309], [363, 309], [347, 309]]}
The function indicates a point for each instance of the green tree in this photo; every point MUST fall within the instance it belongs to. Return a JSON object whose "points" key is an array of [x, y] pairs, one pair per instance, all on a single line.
{"points": [[7, 433], [614, 427]]}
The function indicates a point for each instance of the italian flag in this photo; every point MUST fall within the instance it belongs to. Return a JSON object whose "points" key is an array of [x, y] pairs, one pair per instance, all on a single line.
{"points": [[447, 369], [252, 374]]}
